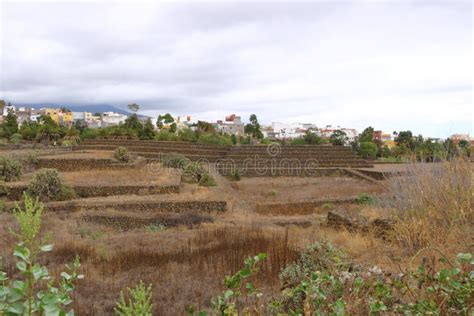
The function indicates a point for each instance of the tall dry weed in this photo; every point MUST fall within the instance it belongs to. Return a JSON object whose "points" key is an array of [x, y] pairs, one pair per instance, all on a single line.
{"points": [[431, 203]]}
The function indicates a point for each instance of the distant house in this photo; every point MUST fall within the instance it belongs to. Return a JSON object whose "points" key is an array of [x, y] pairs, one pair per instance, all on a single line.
{"points": [[232, 125], [456, 138], [112, 118]]}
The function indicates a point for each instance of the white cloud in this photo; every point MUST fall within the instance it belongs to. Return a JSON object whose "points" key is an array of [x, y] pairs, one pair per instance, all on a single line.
{"points": [[391, 65]]}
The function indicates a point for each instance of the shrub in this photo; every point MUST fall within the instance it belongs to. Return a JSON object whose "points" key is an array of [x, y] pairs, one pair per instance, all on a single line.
{"points": [[193, 171], [32, 158], [122, 154], [10, 169], [430, 203], [186, 134], [207, 180], [89, 133], [213, 138], [368, 150], [3, 142], [175, 161], [165, 135], [16, 138], [33, 292], [48, 185], [328, 288], [138, 303]]}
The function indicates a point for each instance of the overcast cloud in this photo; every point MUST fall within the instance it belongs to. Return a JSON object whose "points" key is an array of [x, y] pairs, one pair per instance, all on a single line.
{"points": [[393, 65]]}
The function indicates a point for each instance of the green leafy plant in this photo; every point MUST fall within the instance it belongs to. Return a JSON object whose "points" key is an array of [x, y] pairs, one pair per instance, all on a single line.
{"points": [[138, 302], [10, 169], [34, 292], [48, 185]]}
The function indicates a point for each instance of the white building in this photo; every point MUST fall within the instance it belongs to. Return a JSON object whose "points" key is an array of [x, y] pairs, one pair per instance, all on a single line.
{"points": [[287, 131], [232, 125], [112, 118]]}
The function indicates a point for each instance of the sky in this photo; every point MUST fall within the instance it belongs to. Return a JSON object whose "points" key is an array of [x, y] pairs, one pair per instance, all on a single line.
{"points": [[393, 65]]}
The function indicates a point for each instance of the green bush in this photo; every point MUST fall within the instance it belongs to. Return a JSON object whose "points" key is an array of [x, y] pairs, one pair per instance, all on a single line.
{"points": [[16, 138], [213, 138], [3, 142], [207, 180], [10, 169], [187, 135], [165, 135], [122, 154], [47, 185], [193, 171], [138, 303], [175, 161], [368, 150], [32, 291], [90, 133]]}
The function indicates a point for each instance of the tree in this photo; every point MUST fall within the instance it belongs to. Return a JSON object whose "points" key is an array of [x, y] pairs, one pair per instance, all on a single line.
{"points": [[164, 119], [311, 138], [133, 122], [28, 130], [367, 135], [405, 139], [133, 107], [368, 150], [338, 138], [148, 131], [10, 126], [253, 128], [48, 130], [205, 127]]}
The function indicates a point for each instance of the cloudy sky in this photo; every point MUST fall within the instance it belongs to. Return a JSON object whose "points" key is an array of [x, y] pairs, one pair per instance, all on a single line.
{"points": [[394, 65]]}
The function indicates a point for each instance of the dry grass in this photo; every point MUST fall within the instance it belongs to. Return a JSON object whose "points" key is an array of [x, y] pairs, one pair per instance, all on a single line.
{"points": [[184, 266], [134, 176], [432, 204], [295, 189]]}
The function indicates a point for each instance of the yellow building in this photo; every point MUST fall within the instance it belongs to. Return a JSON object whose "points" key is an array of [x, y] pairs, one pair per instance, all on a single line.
{"points": [[53, 114], [60, 117]]}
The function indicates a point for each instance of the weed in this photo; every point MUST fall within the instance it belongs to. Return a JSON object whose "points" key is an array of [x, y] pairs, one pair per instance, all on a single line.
{"points": [[365, 199], [154, 228], [328, 206], [235, 175], [138, 303]]}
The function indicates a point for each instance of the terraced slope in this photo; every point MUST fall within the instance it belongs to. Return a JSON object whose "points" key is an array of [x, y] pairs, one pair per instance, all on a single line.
{"points": [[249, 160]]}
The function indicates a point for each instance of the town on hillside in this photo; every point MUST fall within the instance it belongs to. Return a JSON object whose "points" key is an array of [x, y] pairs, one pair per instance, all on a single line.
{"points": [[71, 125]]}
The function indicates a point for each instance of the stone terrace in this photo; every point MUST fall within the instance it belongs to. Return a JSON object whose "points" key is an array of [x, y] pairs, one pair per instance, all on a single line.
{"points": [[249, 160]]}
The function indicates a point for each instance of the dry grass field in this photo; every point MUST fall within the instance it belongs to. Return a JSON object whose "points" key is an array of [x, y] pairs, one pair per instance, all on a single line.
{"points": [[186, 260]]}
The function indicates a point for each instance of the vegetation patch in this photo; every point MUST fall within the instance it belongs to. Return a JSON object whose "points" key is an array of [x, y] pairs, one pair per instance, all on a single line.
{"points": [[122, 154], [47, 185], [10, 169]]}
